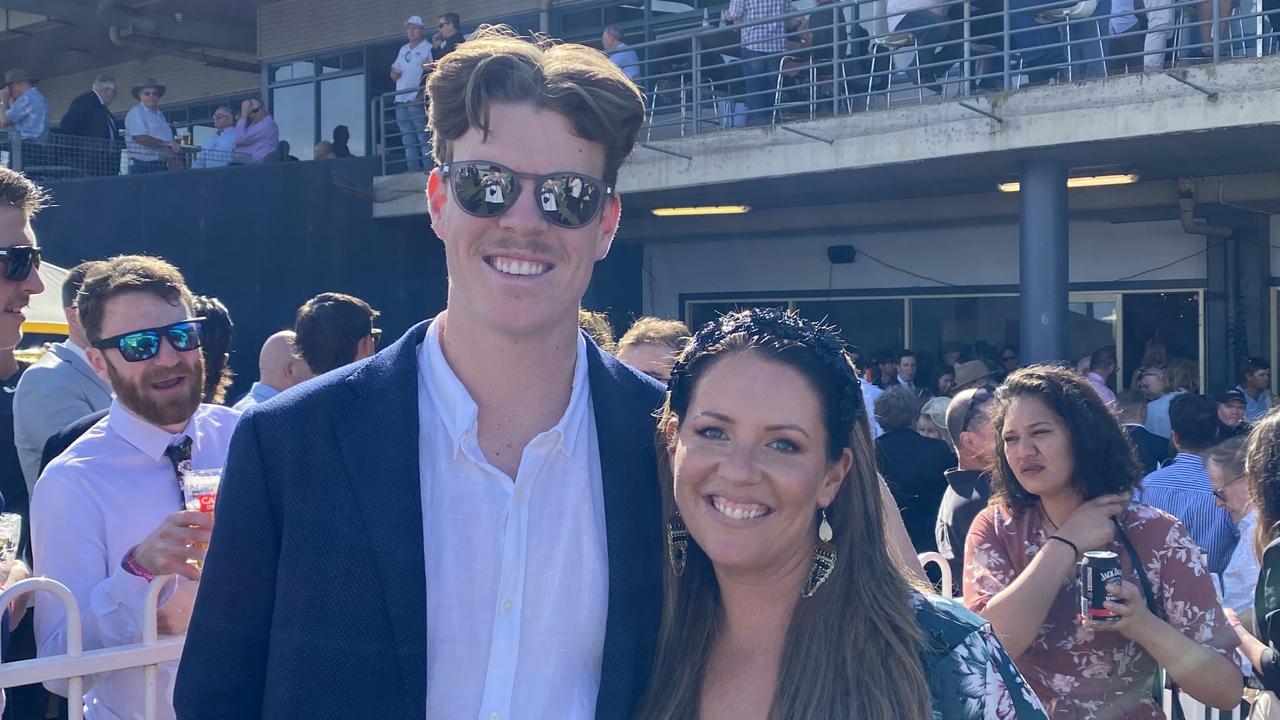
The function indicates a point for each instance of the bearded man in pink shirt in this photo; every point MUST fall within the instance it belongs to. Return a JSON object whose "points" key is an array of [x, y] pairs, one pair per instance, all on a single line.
{"points": [[257, 135]]}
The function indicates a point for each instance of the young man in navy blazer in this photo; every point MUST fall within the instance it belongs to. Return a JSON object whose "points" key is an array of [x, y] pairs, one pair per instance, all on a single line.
{"points": [[466, 525]]}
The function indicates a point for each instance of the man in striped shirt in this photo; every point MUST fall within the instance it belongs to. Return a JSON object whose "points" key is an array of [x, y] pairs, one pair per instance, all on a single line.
{"points": [[759, 42], [1183, 489]]}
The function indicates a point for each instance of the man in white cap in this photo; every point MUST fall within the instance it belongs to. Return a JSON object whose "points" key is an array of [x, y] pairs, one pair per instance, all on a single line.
{"points": [[148, 135], [411, 116]]}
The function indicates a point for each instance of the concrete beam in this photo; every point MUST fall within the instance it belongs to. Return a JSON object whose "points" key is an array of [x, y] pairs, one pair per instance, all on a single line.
{"points": [[187, 30], [1257, 191], [1125, 107]]}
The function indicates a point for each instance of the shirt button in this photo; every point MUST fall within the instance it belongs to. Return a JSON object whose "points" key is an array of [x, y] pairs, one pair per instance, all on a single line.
{"points": [[519, 494], [506, 607], [493, 716]]}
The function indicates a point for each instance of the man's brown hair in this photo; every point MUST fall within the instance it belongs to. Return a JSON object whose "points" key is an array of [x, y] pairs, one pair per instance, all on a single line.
{"points": [[125, 274], [328, 329], [656, 331], [576, 81], [18, 192]]}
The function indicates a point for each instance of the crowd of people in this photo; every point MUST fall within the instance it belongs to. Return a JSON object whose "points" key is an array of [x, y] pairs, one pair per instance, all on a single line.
{"points": [[507, 513], [777, 44]]}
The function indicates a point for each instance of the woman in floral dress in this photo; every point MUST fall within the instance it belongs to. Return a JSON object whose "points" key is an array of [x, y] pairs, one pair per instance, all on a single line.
{"points": [[1062, 486], [783, 601]]}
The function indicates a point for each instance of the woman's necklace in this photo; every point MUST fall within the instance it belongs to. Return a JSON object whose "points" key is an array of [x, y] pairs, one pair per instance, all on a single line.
{"points": [[1044, 516]]}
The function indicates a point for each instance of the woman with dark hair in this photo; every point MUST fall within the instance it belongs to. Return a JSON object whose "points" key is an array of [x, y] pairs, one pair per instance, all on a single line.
{"points": [[1262, 470], [783, 600], [1061, 487], [216, 334], [944, 381]]}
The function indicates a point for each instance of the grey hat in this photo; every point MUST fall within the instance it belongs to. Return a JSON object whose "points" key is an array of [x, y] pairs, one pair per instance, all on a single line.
{"points": [[18, 75], [147, 83]]}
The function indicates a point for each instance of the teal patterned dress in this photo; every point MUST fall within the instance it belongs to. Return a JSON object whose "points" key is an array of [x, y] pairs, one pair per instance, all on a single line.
{"points": [[970, 676]]}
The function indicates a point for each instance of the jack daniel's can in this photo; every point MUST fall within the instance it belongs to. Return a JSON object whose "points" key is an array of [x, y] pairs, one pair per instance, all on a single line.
{"points": [[1096, 569]]}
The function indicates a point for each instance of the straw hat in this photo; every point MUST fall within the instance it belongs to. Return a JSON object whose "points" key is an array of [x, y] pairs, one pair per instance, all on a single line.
{"points": [[18, 75], [967, 372], [147, 83]]}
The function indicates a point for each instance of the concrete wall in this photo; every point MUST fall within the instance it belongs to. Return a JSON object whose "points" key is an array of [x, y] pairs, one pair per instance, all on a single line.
{"points": [[184, 80], [969, 256]]}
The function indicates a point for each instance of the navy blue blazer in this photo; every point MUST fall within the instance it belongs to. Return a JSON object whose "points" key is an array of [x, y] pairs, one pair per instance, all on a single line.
{"points": [[312, 600]]}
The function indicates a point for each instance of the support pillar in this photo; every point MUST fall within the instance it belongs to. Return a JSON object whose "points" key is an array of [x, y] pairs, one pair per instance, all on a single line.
{"points": [[1042, 261]]}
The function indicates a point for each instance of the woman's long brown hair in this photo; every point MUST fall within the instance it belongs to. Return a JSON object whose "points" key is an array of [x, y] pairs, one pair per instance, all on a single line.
{"points": [[1262, 468], [853, 650]]}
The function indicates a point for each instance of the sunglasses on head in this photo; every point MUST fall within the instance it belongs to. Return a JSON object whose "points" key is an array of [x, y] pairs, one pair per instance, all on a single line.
{"points": [[140, 345], [980, 397], [19, 261], [485, 189]]}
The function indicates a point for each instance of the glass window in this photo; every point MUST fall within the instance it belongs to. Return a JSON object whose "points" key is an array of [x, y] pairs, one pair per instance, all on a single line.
{"points": [[701, 313], [294, 109], [974, 327], [342, 103], [1160, 320], [869, 325], [1090, 326], [293, 70], [330, 63], [202, 134]]}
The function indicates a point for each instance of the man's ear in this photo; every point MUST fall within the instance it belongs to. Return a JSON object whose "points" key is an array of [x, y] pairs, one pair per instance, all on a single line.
{"points": [[610, 215], [437, 196], [98, 362]]}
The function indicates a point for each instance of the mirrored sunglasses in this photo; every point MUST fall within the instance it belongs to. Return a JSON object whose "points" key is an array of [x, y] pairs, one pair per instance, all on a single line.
{"points": [[142, 345], [19, 261], [486, 189]]}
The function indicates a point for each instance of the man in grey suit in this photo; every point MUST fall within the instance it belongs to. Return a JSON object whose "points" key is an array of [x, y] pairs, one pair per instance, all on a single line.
{"points": [[59, 388]]}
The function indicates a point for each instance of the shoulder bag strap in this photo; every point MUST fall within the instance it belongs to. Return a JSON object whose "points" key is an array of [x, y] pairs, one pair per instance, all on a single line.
{"points": [[1155, 608]]}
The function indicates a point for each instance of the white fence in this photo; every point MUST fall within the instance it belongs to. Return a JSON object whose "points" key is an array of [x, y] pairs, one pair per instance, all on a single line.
{"points": [[77, 663]]}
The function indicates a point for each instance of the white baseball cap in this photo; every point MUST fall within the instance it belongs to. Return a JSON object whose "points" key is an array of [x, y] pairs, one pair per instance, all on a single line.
{"points": [[415, 20]]}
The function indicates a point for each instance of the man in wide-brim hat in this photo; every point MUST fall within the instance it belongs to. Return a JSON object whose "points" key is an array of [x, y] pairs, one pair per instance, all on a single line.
{"points": [[22, 107], [151, 84], [148, 135]]}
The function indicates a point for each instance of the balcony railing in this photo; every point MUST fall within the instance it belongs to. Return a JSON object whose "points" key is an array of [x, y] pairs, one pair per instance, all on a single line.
{"points": [[60, 156], [856, 56]]}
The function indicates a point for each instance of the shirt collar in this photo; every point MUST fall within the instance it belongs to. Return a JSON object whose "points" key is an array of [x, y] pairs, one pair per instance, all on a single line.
{"points": [[76, 350], [147, 438], [262, 391], [458, 411], [1191, 458]]}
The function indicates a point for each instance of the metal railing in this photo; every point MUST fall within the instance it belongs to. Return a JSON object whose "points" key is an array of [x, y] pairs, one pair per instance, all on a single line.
{"points": [[60, 156], [400, 133], [855, 56], [77, 662]]}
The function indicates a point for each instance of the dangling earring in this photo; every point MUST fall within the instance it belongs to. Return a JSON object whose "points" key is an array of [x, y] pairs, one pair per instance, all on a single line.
{"points": [[677, 543], [824, 558]]}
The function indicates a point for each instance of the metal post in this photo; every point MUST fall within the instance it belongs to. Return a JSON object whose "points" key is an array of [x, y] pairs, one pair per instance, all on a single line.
{"points": [[1008, 48], [1042, 260], [1214, 34], [15, 150], [696, 70]]}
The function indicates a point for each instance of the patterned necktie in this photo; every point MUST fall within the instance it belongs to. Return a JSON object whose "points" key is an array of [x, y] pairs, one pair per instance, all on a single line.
{"points": [[180, 456]]}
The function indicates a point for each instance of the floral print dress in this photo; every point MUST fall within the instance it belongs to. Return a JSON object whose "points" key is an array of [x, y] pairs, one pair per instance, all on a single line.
{"points": [[970, 676], [1078, 673]]}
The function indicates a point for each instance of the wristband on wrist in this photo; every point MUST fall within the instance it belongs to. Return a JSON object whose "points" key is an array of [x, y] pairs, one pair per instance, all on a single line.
{"points": [[1066, 542], [1233, 621], [131, 566]]}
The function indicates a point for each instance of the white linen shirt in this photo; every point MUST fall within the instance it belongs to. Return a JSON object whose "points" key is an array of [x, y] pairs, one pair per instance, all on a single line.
{"points": [[410, 61], [1241, 576], [517, 573], [93, 503], [141, 121]]}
